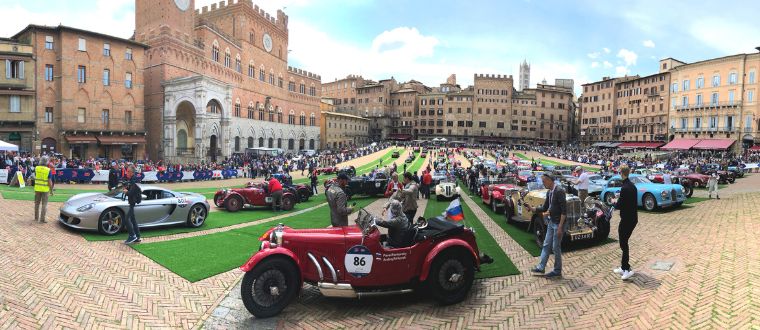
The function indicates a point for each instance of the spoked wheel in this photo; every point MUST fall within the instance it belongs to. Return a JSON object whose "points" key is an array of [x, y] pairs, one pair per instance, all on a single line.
{"points": [[539, 228], [688, 190], [269, 287], [219, 200], [451, 276], [197, 216], [649, 202], [287, 203], [233, 204], [608, 197], [111, 221]]}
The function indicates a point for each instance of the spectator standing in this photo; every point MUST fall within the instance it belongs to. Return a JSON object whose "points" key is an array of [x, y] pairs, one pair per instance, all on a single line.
{"points": [[314, 182], [134, 197], [427, 180], [338, 201], [629, 217], [554, 213], [42, 185], [275, 190], [113, 177], [712, 185], [582, 182], [408, 196]]}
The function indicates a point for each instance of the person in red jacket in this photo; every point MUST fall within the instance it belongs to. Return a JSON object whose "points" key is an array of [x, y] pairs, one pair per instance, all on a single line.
{"points": [[427, 180], [275, 190], [393, 185]]}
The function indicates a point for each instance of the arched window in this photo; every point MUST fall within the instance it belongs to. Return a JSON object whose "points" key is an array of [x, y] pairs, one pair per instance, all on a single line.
{"points": [[250, 142], [312, 120], [227, 57], [291, 144], [271, 143], [271, 77], [279, 143], [238, 66], [181, 139], [302, 120], [237, 144], [213, 107], [279, 115], [311, 144], [261, 110], [301, 144], [262, 73], [215, 51], [291, 118], [250, 110], [271, 113], [237, 108], [261, 142]]}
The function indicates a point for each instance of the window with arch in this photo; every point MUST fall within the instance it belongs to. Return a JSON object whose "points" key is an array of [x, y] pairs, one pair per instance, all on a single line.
{"points": [[238, 66], [250, 111], [291, 118], [279, 142], [280, 82], [250, 142], [279, 115], [237, 144], [302, 119], [271, 78], [251, 37], [213, 107], [312, 120], [271, 114], [237, 108], [302, 88], [291, 86], [262, 74], [291, 144], [251, 70], [312, 91], [261, 142], [227, 57], [732, 78], [215, 51]]}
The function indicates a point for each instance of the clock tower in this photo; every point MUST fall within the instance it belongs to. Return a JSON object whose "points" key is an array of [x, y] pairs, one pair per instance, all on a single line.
{"points": [[153, 16]]}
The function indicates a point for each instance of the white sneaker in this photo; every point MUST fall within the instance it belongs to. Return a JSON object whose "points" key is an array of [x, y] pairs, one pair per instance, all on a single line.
{"points": [[626, 275], [618, 271]]}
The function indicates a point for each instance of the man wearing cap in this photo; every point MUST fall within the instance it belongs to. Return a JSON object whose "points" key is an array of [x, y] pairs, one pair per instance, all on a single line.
{"points": [[554, 212], [582, 183], [338, 201], [113, 177]]}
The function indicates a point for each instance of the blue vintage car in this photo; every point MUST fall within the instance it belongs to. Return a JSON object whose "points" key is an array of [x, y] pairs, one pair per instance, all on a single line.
{"points": [[650, 195]]}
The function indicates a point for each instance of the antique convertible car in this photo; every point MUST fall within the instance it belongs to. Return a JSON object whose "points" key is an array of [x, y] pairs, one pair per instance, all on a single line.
{"points": [[697, 179], [687, 184], [364, 185], [724, 177], [302, 191], [255, 194], [494, 192], [355, 262], [650, 195], [105, 212], [593, 224], [446, 189]]}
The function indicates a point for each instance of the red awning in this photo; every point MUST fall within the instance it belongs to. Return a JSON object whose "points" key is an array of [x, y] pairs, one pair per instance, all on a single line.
{"points": [[714, 144], [121, 139], [680, 144], [80, 139], [755, 148], [640, 145]]}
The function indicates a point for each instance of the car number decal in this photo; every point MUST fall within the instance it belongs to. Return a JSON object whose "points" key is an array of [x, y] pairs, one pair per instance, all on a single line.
{"points": [[519, 208], [181, 202], [268, 199], [358, 261], [377, 184]]}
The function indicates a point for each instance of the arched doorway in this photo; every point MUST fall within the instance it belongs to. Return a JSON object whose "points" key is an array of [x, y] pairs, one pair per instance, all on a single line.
{"points": [[181, 139], [185, 136], [237, 144], [48, 145], [212, 148], [301, 144]]}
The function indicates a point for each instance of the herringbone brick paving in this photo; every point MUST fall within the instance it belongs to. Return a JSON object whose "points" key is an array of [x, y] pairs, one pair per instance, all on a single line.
{"points": [[52, 278]]}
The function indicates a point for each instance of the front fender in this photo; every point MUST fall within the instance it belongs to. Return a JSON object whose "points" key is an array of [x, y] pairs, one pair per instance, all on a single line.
{"points": [[258, 257], [455, 242], [497, 195]]}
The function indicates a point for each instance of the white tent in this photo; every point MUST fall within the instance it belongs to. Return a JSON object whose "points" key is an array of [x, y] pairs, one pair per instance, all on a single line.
{"points": [[5, 146]]}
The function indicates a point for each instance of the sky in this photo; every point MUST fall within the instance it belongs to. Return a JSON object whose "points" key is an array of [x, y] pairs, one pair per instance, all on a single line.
{"points": [[583, 40]]}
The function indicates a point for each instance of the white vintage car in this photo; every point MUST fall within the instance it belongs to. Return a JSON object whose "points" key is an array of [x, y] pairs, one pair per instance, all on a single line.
{"points": [[446, 189]]}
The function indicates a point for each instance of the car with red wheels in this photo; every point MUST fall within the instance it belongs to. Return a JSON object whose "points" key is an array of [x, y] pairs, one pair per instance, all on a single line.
{"points": [[254, 194], [356, 262], [495, 192]]}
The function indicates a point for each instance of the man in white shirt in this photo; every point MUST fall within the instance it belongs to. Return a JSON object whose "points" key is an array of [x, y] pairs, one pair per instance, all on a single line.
{"points": [[582, 183], [666, 178]]}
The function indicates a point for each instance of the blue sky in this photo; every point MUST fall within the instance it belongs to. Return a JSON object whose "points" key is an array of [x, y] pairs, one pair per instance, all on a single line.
{"points": [[428, 40]]}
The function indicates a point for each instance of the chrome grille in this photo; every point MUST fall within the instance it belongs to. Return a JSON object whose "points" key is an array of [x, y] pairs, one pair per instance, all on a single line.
{"points": [[673, 195], [573, 208]]}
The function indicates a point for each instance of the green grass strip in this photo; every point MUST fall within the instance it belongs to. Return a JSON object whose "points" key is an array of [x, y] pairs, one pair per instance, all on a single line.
{"points": [[217, 219], [366, 168], [200, 257], [523, 237], [502, 265], [554, 163]]}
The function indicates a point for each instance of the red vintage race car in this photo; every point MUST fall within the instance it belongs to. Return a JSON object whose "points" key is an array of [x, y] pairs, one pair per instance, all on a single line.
{"points": [[699, 180], [327, 170], [253, 195], [688, 184], [354, 262], [495, 193]]}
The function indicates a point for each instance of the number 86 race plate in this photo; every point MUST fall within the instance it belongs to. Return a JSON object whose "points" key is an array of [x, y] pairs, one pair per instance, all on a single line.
{"points": [[358, 261]]}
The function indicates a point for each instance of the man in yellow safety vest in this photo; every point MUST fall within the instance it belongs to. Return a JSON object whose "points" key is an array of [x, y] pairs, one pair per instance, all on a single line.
{"points": [[42, 183]]}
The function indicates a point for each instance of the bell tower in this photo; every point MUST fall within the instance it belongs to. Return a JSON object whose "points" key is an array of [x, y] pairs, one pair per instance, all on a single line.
{"points": [[155, 17]]}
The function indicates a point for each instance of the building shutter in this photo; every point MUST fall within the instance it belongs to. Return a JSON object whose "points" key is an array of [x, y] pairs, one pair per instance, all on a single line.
{"points": [[21, 70]]}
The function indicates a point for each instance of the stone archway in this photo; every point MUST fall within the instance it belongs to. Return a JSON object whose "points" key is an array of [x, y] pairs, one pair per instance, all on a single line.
{"points": [[185, 129], [48, 145]]}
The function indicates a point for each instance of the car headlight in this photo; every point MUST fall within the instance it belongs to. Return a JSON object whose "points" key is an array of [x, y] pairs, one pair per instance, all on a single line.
{"points": [[683, 190], [85, 207], [664, 194]]}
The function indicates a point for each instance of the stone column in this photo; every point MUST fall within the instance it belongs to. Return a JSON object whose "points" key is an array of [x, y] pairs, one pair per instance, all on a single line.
{"points": [[170, 135], [224, 136]]}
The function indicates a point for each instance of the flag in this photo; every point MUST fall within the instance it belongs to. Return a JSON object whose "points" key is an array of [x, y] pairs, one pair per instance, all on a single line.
{"points": [[454, 211]]}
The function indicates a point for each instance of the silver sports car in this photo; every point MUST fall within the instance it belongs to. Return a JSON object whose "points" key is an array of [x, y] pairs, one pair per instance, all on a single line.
{"points": [[106, 212]]}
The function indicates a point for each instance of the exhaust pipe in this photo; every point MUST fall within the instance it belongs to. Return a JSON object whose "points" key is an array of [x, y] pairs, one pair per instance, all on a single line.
{"points": [[316, 264], [383, 293]]}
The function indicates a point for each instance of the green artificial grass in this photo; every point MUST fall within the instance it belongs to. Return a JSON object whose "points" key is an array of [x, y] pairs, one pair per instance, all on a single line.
{"points": [[364, 169], [217, 219], [555, 163], [63, 194], [502, 265], [200, 257], [520, 234]]}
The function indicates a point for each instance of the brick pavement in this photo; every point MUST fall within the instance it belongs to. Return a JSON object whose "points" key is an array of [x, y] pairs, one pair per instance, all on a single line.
{"points": [[50, 277]]}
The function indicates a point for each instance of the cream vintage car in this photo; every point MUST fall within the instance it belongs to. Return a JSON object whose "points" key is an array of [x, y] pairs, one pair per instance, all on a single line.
{"points": [[580, 224]]}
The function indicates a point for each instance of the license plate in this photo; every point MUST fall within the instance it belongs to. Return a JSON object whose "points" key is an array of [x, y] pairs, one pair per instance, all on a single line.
{"points": [[519, 209], [268, 199], [581, 235]]}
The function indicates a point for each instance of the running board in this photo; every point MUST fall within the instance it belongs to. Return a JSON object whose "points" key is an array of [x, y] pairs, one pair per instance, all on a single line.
{"points": [[343, 290]]}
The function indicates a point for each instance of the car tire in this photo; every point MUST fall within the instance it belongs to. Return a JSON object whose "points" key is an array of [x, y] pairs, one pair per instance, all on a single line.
{"points": [[539, 230], [508, 213], [493, 206], [603, 229], [111, 221], [731, 179], [219, 200], [304, 195], [649, 202], [233, 204], [446, 288], [287, 203], [608, 198], [274, 272], [197, 215], [689, 190]]}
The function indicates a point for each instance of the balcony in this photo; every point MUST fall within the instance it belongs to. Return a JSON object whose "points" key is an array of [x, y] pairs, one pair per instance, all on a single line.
{"points": [[717, 129], [707, 106], [97, 124]]}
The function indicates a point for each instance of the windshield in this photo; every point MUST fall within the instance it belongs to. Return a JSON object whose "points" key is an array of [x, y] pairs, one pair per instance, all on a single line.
{"points": [[524, 173], [639, 179], [595, 177], [116, 193]]}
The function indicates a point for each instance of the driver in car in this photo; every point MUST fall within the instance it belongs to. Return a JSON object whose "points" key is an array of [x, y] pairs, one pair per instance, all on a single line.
{"points": [[399, 228]]}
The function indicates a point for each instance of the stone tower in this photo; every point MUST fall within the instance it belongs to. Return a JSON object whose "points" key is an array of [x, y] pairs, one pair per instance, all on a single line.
{"points": [[524, 75], [164, 17]]}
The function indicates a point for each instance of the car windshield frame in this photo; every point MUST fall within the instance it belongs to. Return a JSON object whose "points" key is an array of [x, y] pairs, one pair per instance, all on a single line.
{"points": [[639, 179]]}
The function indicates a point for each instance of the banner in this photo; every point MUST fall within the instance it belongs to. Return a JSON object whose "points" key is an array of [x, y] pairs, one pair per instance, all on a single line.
{"points": [[20, 178], [150, 176], [100, 176], [4, 176], [217, 174], [188, 175]]}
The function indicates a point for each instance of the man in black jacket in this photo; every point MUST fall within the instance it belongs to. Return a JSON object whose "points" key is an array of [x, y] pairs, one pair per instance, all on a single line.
{"points": [[554, 212], [113, 177], [134, 196], [629, 217]]}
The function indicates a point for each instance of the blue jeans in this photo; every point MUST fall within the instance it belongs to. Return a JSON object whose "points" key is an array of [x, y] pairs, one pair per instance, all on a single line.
{"points": [[551, 243]]}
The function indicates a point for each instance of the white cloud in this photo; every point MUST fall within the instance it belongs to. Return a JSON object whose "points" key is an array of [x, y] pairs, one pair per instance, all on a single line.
{"points": [[628, 56], [593, 55], [648, 43], [606, 50], [621, 71], [724, 36], [607, 64], [105, 16], [404, 42], [594, 64]]}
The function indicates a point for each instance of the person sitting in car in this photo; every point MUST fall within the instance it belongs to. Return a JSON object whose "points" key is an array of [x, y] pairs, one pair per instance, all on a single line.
{"points": [[399, 227]]}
